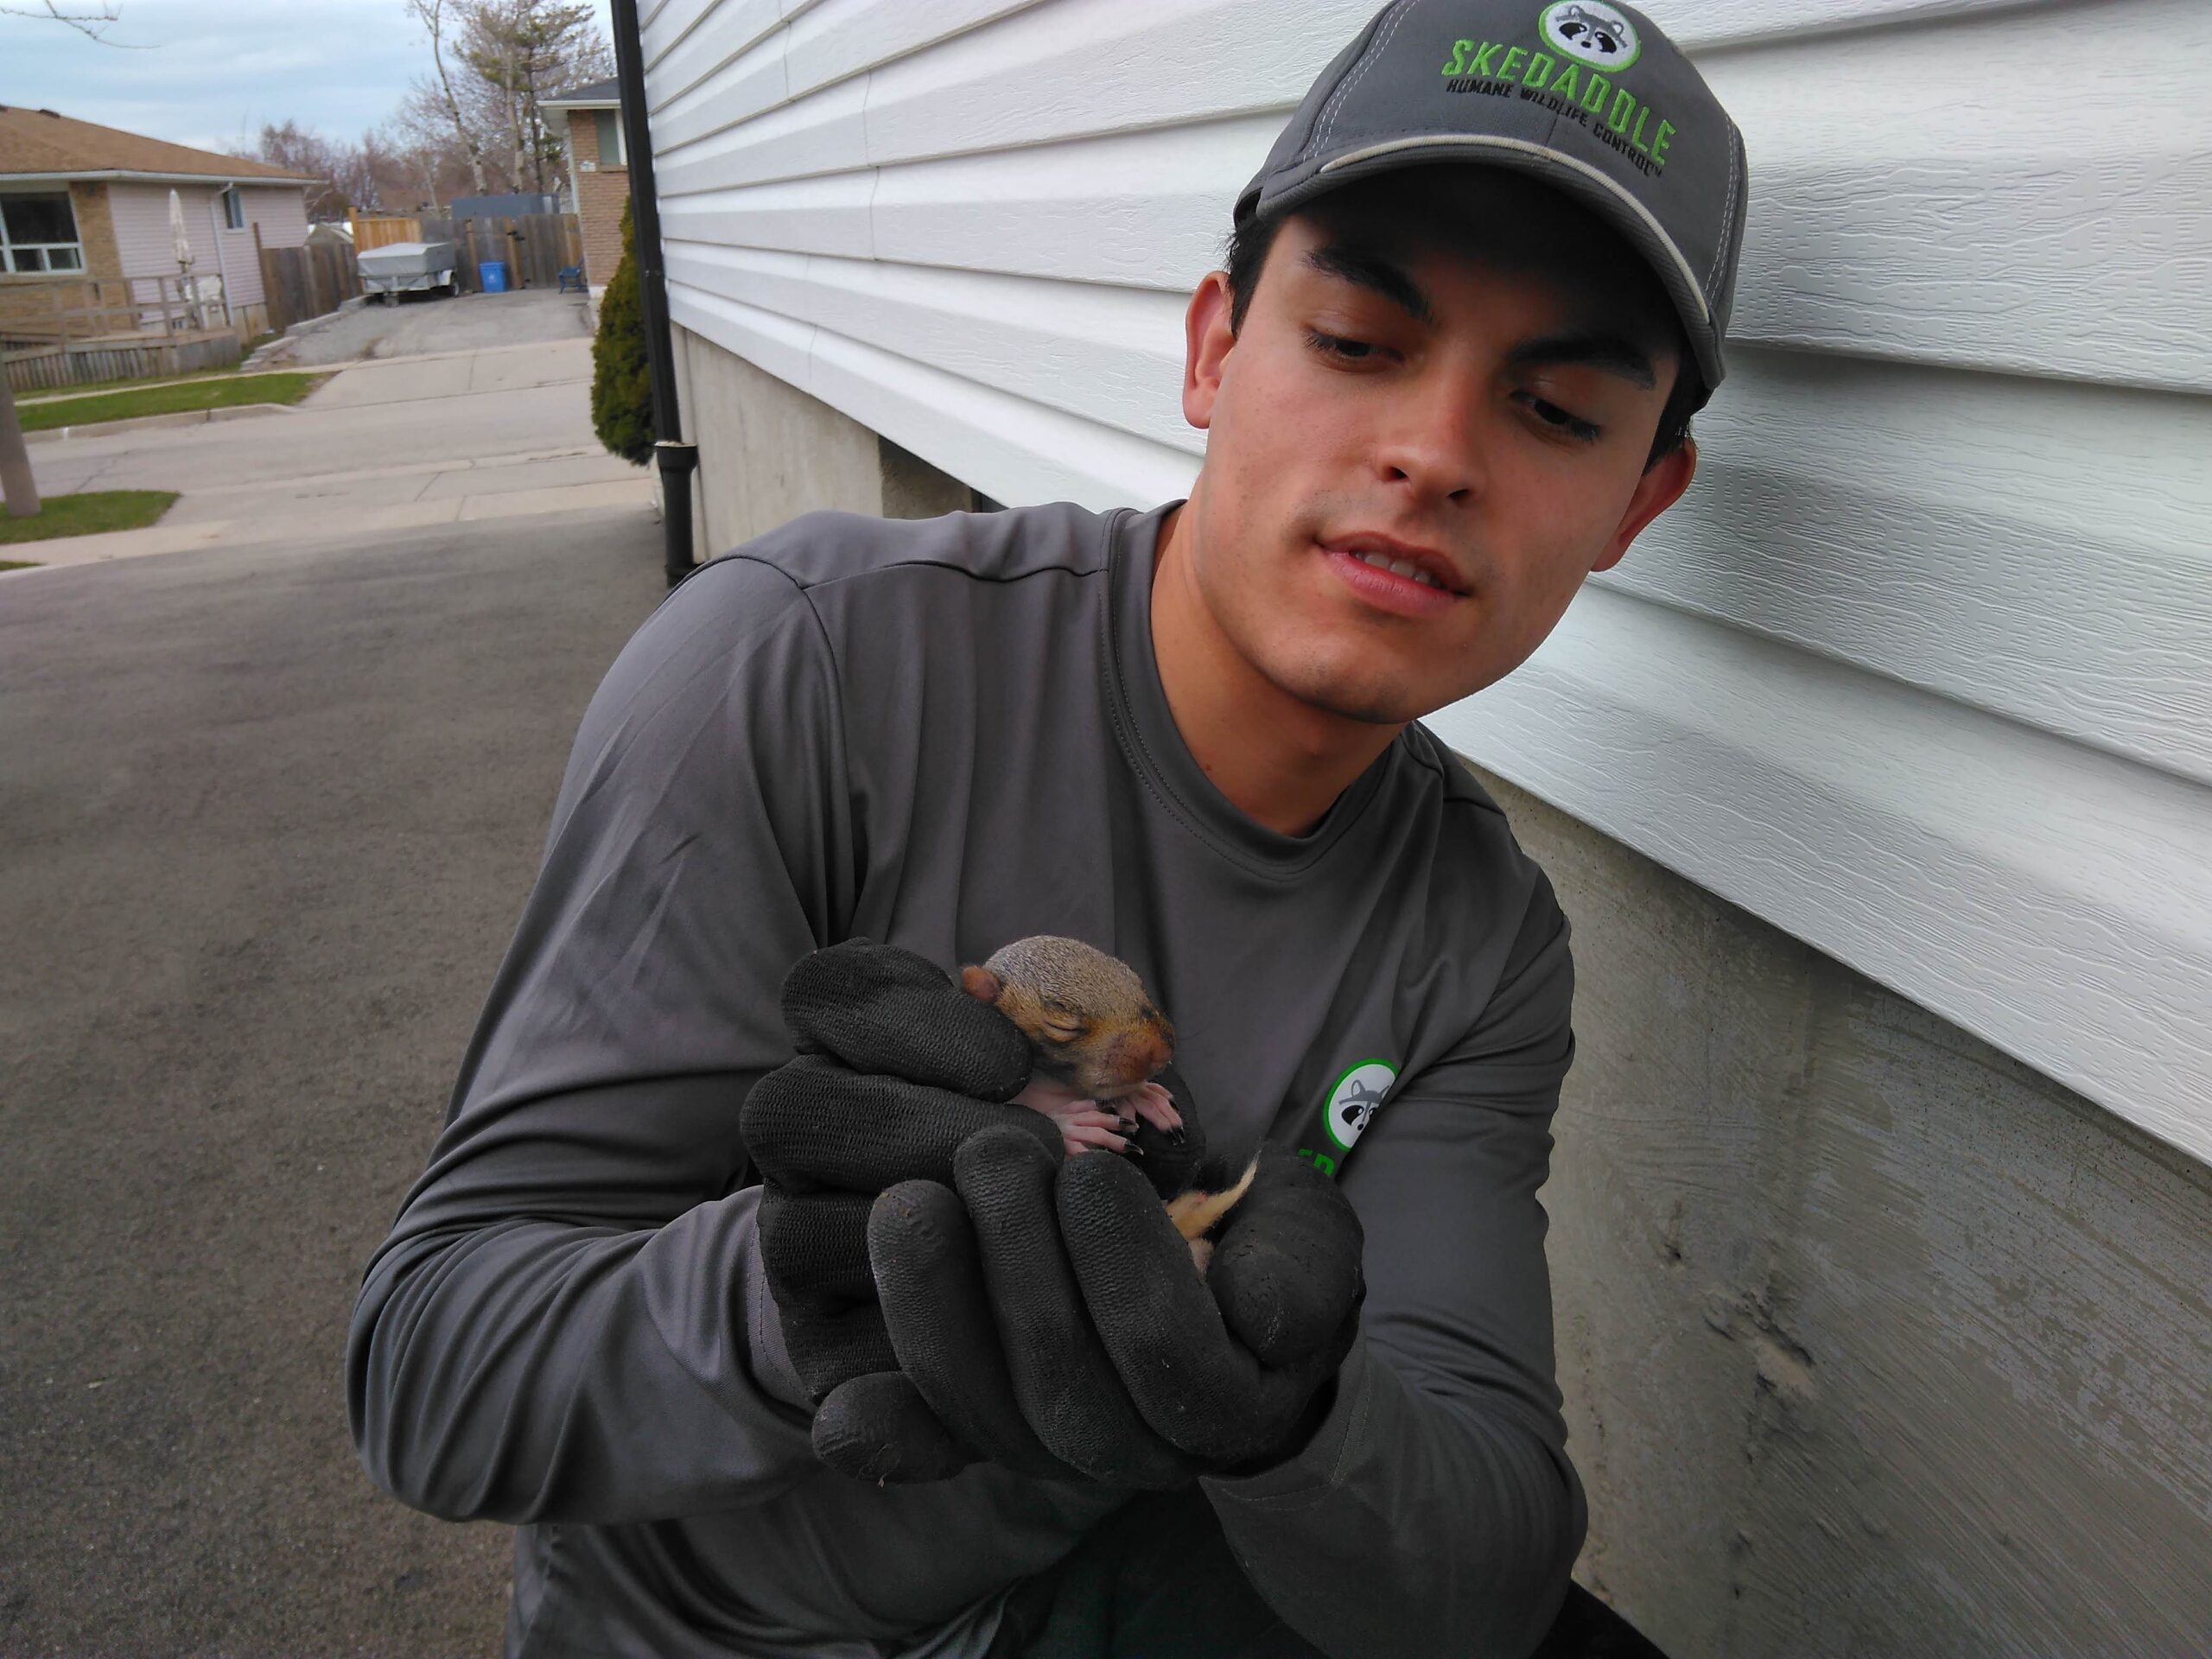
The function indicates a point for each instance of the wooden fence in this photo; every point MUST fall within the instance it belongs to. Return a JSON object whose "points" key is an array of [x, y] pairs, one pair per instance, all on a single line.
{"points": [[66, 363], [533, 247], [382, 230], [303, 283]]}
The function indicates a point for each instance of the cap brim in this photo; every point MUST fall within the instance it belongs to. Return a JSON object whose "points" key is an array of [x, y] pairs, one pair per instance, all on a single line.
{"points": [[1576, 178]]}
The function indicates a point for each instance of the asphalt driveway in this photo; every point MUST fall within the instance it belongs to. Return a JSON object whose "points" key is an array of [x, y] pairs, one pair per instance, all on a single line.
{"points": [[270, 815], [424, 323]]}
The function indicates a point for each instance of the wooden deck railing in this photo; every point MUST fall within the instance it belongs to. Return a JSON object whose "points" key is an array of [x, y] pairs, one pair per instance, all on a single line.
{"points": [[92, 307]]}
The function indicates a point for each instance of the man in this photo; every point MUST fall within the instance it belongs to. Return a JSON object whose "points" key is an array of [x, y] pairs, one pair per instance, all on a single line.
{"points": [[1474, 293]]}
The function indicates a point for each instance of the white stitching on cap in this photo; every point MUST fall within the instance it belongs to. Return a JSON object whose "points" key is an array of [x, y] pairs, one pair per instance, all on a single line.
{"points": [[1328, 123], [1728, 224], [1490, 141]]}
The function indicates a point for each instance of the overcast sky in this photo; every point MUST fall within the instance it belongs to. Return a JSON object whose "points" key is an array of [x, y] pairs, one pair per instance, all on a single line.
{"points": [[203, 72]]}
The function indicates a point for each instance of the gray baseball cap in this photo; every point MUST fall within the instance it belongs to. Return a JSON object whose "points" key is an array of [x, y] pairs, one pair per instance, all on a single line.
{"points": [[1586, 95]]}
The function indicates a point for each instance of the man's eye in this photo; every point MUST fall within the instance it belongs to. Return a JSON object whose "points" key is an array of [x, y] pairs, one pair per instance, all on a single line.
{"points": [[1553, 416], [1336, 346]]}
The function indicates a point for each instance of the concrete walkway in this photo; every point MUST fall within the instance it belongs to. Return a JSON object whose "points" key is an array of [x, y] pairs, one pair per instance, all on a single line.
{"points": [[394, 444]]}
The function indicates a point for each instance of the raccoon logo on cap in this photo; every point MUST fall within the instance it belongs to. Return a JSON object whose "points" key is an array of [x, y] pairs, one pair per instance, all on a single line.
{"points": [[1590, 32]]}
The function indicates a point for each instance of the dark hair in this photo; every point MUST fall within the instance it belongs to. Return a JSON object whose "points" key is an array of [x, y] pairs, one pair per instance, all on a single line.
{"points": [[1248, 251]]}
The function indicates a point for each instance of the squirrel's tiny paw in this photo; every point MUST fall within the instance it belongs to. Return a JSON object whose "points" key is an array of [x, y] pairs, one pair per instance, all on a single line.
{"points": [[1084, 1131], [1157, 1106]]}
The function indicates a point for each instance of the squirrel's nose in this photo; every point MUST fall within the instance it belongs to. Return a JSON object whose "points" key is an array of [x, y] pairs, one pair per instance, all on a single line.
{"points": [[1162, 1044]]}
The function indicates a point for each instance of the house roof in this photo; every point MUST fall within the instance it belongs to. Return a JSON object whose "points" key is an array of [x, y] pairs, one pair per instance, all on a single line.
{"points": [[39, 143], [592, 95]]}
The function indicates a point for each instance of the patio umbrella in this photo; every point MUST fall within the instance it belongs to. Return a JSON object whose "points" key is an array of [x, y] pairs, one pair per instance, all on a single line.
{"points": [[180, 244], [178, 241]]}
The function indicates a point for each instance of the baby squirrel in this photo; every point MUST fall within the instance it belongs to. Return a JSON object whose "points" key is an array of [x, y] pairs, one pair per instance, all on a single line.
{"points": [[1097, 1043]]}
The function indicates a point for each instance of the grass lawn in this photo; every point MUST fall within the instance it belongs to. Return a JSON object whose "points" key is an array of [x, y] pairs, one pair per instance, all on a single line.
{"points": [[83, 515], [133, 382], [167, 400]]}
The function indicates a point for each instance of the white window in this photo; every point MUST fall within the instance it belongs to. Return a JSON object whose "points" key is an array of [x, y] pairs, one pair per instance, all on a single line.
{"points": [[39, 232], [609, 123], [233, 208]]}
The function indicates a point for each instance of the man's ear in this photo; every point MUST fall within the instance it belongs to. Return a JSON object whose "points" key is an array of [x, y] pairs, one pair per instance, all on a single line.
{"points": [[1656, 491], [1207, 340]]}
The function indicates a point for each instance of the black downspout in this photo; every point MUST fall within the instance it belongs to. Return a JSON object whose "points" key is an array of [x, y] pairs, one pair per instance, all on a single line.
{"points": [[677, 459]]}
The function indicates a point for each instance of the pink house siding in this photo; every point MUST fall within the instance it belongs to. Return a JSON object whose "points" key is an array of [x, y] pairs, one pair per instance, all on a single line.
{"points": [[141, 231]]}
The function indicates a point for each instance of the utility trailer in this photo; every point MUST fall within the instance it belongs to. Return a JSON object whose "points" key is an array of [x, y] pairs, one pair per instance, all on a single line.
{"points": [[408, 268]]}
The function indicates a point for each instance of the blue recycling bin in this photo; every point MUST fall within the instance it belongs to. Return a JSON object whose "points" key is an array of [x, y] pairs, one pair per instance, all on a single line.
{"points": [[494, 272]]}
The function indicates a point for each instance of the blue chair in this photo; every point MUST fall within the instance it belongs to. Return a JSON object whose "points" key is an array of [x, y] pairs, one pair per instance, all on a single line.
{"points": [[570, 278]]}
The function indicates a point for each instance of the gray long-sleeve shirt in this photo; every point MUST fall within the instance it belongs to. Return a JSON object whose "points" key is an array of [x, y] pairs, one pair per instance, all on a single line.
{"points": [[948, 735]]}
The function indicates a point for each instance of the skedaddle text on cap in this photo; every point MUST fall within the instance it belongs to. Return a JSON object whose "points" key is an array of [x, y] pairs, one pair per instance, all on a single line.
{"points": [[1611, 112]]}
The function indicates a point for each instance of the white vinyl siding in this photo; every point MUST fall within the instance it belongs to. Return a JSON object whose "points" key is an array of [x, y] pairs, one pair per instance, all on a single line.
{"points": [[147, 247], [1916, 671]]}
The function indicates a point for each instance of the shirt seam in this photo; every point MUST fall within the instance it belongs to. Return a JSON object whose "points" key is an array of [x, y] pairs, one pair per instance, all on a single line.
{"points": [[836, 676], [807, 587]]}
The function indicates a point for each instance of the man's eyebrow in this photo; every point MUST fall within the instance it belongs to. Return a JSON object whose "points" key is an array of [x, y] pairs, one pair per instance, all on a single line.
{"points": [[1614, 354], [1371, 270]]}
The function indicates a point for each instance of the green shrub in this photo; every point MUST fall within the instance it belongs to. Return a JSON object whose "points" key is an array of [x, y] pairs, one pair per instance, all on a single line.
{"points": [[621, 384]]}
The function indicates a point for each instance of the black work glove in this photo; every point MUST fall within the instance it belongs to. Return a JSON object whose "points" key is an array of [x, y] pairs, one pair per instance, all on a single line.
{"points": [[1049, 1314], [897, 1065]]}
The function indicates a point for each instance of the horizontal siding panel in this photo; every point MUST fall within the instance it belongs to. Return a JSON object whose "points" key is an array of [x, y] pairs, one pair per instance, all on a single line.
{"points": [[818, 216], [2054, 566], [1699, 26], [820, 134], [777, 344], [1152, 215], [140, 213], [842, 37], [2049, 898], [745, 85], [1108, 354], [1088, 66], [995, 440], [1150, 212], [702, 40], [1007, 446], [1937, 194]]}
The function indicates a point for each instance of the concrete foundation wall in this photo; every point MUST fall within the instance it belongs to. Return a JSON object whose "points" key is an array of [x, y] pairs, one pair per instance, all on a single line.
{"points": [[1873, 1341], [768, 453]]}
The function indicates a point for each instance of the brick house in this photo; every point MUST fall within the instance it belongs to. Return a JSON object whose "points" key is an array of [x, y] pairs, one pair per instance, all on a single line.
{"points": [[78, 200], [598, 172]]}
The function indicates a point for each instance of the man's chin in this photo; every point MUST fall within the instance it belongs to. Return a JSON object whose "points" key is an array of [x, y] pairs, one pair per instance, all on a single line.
{"points": [[1364, 701]]}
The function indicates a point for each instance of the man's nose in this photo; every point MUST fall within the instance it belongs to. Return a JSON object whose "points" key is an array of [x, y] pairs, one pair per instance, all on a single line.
{"points": [[1434, 443]]}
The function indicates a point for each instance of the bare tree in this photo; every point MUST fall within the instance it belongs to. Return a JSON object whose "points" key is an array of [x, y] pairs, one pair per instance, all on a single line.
{"points": [[521, 52], [429, 14], [344, 169], [91, 21], [406, 176]]}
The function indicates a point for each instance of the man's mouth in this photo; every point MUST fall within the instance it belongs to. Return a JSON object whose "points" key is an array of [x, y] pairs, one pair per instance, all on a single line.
{"points": [[1395, 576], [1423, 565]]}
